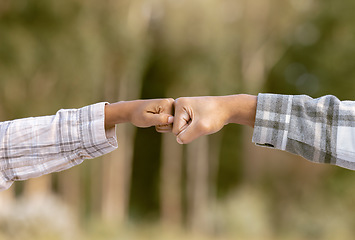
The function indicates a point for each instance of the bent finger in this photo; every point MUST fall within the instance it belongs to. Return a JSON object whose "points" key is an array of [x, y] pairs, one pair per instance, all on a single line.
{"points": [[164, 128], [182, 119], [189, 134]]}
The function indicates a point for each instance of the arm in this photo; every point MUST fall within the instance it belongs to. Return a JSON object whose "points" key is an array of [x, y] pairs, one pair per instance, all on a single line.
{"points": [[321, 130], [33, 147], [198, 116]]}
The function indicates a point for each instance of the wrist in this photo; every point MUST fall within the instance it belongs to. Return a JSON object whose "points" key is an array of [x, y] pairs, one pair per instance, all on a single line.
{"points": [[117, 113], [241, 109]]}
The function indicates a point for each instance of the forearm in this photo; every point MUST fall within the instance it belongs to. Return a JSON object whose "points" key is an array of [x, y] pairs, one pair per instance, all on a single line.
{"points": [[35, 146], [321, 130], [241, 109], [117, 113]]}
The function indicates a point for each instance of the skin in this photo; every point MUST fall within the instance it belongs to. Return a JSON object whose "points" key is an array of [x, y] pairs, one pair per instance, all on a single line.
{"points": [[141, 113], [193, 116], [199, 116]]}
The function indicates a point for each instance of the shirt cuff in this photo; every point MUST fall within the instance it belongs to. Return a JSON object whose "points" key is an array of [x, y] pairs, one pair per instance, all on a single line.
{"points": [[95, 140], [272, 120]]}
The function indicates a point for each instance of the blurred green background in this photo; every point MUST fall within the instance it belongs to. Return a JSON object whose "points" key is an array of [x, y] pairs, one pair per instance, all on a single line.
{"points": [[68, 54]]}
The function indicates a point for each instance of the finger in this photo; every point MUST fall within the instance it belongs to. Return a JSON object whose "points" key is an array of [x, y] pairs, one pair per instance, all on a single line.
{"points": [[182, 119], [163, 131], [168, 106], [160, 119], [189, 134], [165, 109], [164, 128], [181, 122]]}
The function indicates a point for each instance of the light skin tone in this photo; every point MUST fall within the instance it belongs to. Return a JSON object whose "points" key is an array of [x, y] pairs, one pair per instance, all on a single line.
{"points": [[193, 116]]}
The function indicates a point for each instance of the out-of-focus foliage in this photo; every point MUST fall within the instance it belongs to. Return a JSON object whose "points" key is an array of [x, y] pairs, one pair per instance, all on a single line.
{"points": [[64, 54], [318, 60]]}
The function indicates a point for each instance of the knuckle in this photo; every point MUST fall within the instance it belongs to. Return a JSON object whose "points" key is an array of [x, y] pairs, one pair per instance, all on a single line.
{"points": [[177, 102], [167, 100], [167, 103], [181, 100]]}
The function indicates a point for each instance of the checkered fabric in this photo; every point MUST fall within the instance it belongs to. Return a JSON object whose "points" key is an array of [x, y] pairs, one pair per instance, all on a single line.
{"points": [[32, 147], [321, 130]]}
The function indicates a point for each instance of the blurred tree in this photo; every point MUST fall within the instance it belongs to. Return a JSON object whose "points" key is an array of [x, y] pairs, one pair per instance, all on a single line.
{"points": [[260, 48], [64, 54], [319, 53], [189, 58], [29, 32], [126, 64], [317, 62]]}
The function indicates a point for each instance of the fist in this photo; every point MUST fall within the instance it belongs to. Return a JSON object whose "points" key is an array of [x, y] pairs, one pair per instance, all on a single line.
{"points": [[198, 116], [155, 112]]}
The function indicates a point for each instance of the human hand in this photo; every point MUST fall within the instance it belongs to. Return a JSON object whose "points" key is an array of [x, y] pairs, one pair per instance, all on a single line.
{"points": [[198, 116], [156, 112], [142, 113]]}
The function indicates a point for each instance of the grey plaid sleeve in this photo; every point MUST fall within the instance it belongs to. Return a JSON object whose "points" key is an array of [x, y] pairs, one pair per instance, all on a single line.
{"points": [[321, 130], [33, 147]]}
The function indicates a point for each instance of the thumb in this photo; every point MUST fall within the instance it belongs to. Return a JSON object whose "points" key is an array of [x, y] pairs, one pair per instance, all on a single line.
{"points": [[190, 133], [160, 119], [181, 122]]}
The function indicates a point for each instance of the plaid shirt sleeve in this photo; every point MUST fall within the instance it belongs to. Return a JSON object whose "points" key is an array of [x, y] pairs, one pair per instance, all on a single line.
{"points": [[321, 130], [32, 147]]}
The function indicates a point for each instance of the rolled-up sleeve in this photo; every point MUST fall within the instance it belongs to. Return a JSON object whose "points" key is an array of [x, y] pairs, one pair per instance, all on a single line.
{"points": [[32, 147], [321, 130]]}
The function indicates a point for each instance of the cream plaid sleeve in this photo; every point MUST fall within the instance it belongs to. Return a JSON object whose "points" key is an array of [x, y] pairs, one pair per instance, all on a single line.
{"points": [[321, 130], [32, 147]]}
